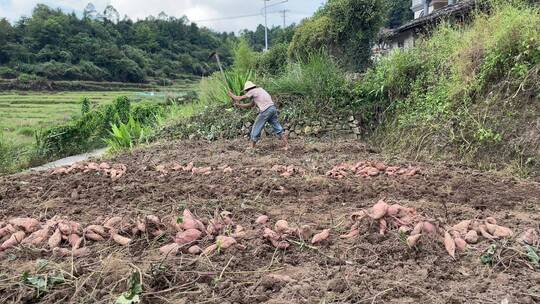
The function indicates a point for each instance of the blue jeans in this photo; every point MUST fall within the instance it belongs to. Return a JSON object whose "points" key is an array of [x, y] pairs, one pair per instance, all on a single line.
{"points": [[270, 116]]}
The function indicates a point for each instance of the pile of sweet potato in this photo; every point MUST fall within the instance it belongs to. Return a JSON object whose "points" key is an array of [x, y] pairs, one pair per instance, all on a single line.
{"points": [[191, 168], [190, 230], [282, 234], [288, 171], [370, 169], [115, 171], [415, 226]]}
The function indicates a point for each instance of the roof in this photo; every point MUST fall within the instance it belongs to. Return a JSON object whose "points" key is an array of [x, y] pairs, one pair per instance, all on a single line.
{"points": [[454, 10]]}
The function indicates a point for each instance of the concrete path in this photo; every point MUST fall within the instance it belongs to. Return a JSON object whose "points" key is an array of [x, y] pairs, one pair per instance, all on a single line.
{"points": [[68, 161]]}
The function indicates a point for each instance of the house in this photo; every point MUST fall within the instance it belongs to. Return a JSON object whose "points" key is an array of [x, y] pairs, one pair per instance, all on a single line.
{"points": [[427, 14]]}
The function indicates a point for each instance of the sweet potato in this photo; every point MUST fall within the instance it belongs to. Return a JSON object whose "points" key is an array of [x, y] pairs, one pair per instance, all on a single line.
{"points": [[471, 237], [55, 239], [270, 234], [170, 249], [261, 220], [122, 240], [194, 249], [501, 231], [371, 171], [64, 227], [461, 245], [75, 241], [239, 232], [491, 220], [393, 210], [214, 227], [352, 233], [190, 222], [15, 239], [404, 229], [97, 229], [112, 223], [7, 230], [418, 228], [37, 237], [462, 227], [93, 236], [449, 244], [281, 226], [140, 226], [383, 225], [413, 240], [187, 236], [225, 242], [152, 219], [28, 224], [429, 228], [529, 237], [321, 236], [210, 249], [378, 210]]}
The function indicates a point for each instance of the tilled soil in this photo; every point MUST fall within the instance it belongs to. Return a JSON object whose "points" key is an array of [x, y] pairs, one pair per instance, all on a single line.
{"points": [[367, 269]]}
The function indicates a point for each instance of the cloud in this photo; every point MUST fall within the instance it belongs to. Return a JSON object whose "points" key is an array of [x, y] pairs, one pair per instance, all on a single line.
{"points": [[195, 10]]}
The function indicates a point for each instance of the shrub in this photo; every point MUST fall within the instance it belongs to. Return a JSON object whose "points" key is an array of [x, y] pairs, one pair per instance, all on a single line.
{"points": [[85, 105], [8, 73], [126, 135], [274, 61]]}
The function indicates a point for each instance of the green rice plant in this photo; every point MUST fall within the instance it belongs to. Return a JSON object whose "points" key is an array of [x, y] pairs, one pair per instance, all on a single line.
{"points": [[125, 136]]}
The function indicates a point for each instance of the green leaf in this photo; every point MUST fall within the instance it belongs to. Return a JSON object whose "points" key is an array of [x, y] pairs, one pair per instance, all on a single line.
{"points": [[487, 256], [135, 289], [532, 255]]}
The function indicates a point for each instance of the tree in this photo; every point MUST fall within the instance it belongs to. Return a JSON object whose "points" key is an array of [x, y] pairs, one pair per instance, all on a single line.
{"points": [[399, 13], [346, 28]]}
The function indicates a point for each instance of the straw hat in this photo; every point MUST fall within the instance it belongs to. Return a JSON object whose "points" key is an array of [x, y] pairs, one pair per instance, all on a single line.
{"points": [[248, 86]]}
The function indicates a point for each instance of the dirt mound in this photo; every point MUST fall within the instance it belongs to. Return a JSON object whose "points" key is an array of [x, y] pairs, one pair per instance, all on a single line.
{"points": [[370, 267]]}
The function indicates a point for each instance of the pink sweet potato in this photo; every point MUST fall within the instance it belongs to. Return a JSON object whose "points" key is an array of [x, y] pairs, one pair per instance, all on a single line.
{"points": [[270, 234], [462, 227], [393, 210], [280, 244], [75, 241], [413, 240], [352, 233], [461, 245], [378, 210], [7, 230], [194, 249], [152, 219], [383, 225], [281, 226], [418, 228], [529, 236], [28, 224], [122, 240], [225, 242], [429, 228], [97, 229], [170, 249], [450, 244], [187, 236], [112, 223], [471, 237], [89, 235], [210, 249], [321, 236], [503, 232], [261, 220], [15, 239], [190, 222], [64, 227], [55, 239], [37, 237]]}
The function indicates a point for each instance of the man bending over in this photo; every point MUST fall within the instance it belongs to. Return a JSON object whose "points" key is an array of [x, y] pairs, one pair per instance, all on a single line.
{"points": [[267, 112]]}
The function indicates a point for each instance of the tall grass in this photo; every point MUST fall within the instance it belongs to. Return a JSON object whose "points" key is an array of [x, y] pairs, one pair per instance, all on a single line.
{"points": [[125, 136], [463, 91]]}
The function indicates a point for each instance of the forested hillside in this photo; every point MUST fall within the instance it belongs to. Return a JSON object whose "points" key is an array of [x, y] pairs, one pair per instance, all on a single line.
{"points": [[104, 47]]}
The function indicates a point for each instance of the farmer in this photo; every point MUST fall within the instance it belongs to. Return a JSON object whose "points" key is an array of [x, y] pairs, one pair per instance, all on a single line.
{"points": [[267, 112]]}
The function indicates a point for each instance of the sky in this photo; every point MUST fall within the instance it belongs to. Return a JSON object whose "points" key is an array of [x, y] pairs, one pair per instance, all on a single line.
{"points": [[204, 12]]}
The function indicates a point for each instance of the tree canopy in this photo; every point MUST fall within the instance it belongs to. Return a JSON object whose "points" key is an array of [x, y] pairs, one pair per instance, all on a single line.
{"points": [[104, 47]]}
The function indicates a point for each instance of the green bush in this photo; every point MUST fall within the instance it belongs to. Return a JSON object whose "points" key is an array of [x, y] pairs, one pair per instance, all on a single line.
{"points": [[8, 73], [274, 61]]}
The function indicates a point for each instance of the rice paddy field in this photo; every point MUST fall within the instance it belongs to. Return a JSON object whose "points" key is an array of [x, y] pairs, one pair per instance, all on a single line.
{"points": [[22, 112]]}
